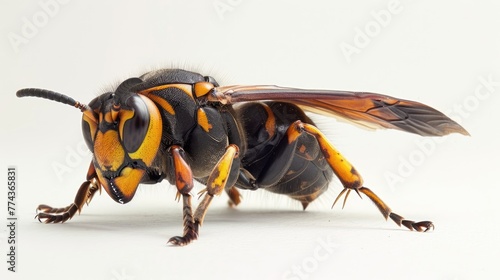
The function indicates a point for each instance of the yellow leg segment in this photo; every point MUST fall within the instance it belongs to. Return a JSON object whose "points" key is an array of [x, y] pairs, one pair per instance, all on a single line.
{"points": [[349, 177], [216, 181], [344, 170]]}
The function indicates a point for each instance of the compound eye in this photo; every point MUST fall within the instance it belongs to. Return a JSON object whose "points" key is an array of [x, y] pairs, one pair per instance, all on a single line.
{"points": [[134, 123]]}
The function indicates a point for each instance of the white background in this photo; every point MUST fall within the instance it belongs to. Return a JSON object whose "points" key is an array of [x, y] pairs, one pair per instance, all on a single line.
{"points": [[436, 53]]}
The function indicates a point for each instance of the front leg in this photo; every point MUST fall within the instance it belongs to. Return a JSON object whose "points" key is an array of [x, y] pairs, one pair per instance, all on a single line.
{"points": [[349, 177], [47, 214], [184, 181], [184, 184]]}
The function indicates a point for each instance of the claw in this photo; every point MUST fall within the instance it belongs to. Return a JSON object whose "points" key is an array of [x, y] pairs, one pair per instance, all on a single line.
{"points": [[202, 192], [423, 226], [339, 196], [346, 196], [357, 191], [189, 236], [46, 214], [178, 241], [48, 219], [42, 208]]}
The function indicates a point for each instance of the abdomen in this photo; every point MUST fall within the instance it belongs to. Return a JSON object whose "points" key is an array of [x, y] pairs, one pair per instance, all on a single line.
{"points": [[307, 174]]}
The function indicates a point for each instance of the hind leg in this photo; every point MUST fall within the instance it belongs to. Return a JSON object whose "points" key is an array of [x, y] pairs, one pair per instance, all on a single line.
{"points": [[305, 178], [350, 178]]}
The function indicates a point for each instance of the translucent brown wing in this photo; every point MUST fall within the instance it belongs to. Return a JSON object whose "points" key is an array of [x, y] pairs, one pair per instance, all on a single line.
{"points": [[369, 109]]}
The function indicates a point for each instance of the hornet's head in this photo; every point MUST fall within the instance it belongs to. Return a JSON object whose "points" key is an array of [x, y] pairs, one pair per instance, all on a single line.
{"points": [[123, 130]]}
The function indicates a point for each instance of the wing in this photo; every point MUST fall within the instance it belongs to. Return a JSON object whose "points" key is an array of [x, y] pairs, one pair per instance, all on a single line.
{"points": [[365, 108]]}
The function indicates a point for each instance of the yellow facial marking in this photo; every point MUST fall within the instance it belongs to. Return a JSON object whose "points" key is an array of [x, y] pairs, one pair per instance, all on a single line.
{"points": [[114, 112], [110, 154], [108, 150], [149, 147], [92, 125], [90, 116], [108, 117], [128, 181], [124, 116]]}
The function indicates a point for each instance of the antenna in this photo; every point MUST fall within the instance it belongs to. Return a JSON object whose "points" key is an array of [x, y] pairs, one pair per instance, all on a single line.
{"points": [[58, 97]]}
